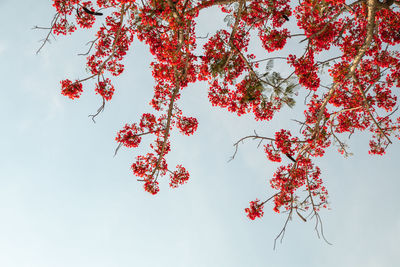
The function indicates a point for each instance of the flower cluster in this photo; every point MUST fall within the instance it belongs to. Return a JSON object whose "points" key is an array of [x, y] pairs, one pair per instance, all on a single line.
{"points": [[105, 89], [306, 70], [274, 40], [255, 210], [187, 126], [70, 89], [63, 27], [179, 177]]}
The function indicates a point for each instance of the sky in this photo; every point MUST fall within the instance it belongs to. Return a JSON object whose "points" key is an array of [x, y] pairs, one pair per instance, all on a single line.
{"points": [[66, 201]]}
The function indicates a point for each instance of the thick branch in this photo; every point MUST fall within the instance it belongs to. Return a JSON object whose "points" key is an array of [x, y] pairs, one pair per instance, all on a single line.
{"points": [[356, 61], [234, 30], [167, 128]]}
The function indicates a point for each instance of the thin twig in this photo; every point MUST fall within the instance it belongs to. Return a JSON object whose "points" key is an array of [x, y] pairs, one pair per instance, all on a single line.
{"points": [[46, 39]]}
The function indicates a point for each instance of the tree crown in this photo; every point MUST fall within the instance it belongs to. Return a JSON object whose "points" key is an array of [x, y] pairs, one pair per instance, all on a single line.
{"points": [[355, 42]]}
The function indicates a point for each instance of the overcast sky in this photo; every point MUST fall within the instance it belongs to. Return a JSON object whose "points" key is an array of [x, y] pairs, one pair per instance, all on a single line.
{"points": [[65, 201]]}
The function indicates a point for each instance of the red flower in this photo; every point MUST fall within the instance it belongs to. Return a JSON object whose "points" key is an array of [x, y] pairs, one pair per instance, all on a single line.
{"points": [[72, 90], [255, 210], [179, 177]]}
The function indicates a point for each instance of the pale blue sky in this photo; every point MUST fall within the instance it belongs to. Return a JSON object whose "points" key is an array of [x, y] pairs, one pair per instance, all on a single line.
{"points": [[65, 201]]}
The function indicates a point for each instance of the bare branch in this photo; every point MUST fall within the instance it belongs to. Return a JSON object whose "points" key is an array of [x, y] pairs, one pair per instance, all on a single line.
{"points": [[99, 110], [282, 232], [236, 145], [46, 39], [90, 48], [354, 65]]}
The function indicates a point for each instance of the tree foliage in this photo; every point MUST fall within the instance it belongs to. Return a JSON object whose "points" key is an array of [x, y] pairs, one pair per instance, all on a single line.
{"points": [[349, 64]]}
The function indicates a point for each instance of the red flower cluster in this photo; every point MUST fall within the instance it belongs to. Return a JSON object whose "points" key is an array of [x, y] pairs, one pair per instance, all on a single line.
{"points": [[129, 136], [274, 40], [282, 144], [179, 177], [306, 70], [63, 27], [70, 89], [255, 210], [105, 89], [187, 126]]}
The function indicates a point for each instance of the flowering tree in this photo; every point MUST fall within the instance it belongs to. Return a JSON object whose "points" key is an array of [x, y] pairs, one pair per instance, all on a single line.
{"points": [[355, 41]]}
